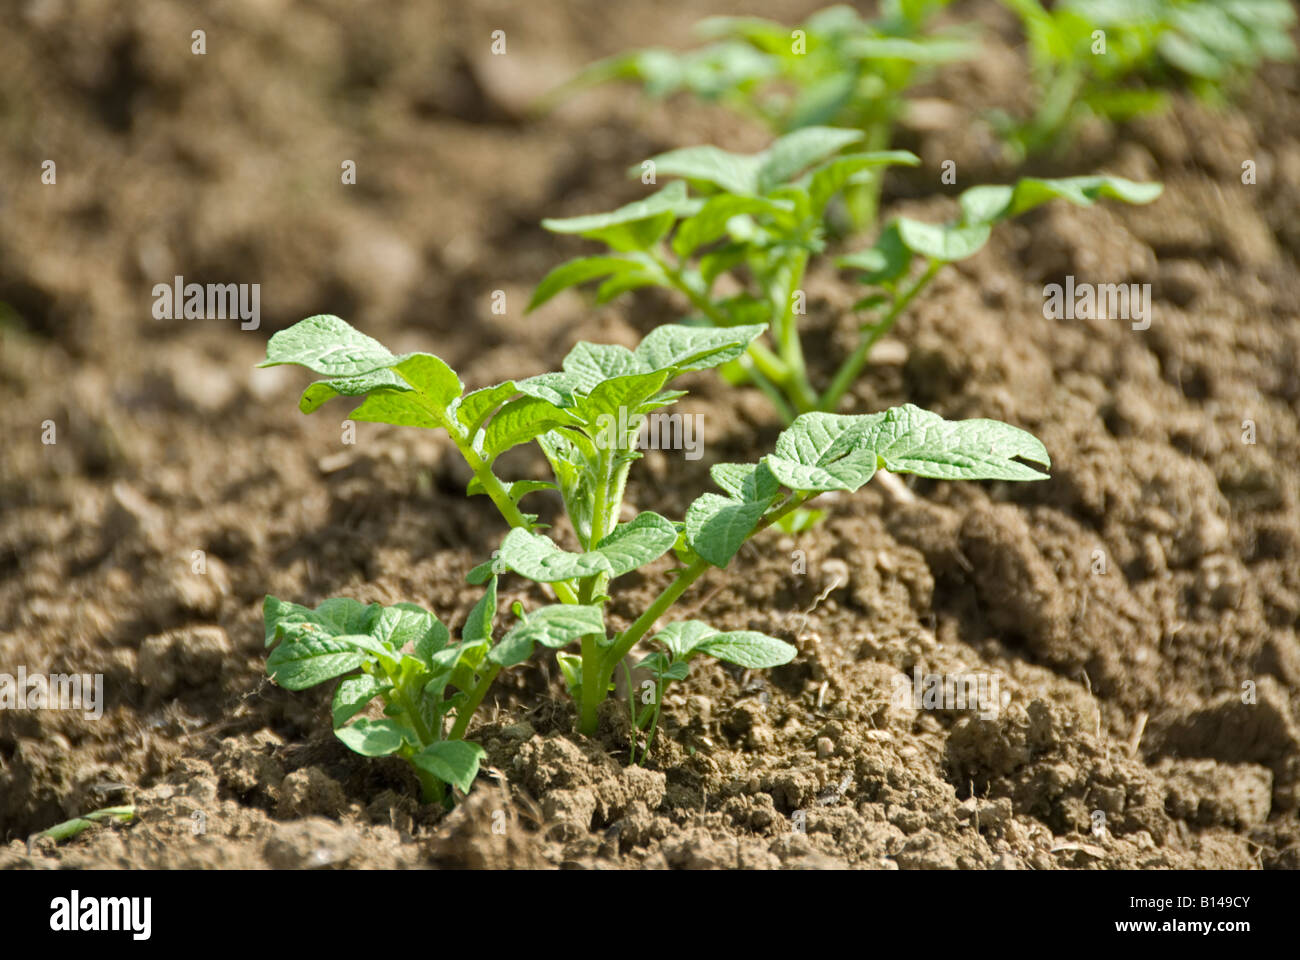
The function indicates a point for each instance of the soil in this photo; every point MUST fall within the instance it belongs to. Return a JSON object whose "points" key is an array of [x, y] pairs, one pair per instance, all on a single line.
{"points": [[1139, 609]]}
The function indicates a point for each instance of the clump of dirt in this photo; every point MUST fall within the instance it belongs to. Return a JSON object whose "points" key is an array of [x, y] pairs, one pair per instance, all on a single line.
{"points": [[1128, 627]]}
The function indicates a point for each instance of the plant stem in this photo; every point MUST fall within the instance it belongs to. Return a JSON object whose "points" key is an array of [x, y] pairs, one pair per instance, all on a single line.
{"points": [[852, 366], [412, 711], [432, 790], [594, 687], [495, 490], [768, 363], [797, 386], [466, 711], [631, 707], [654, 723]]}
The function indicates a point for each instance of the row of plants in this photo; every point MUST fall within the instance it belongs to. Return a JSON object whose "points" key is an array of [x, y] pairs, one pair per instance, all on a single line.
{"points": [[1112, 59], [406, 687]]}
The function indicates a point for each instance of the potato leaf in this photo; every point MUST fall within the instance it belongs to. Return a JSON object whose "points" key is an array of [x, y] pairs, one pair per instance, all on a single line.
{"points": [[451, 761], [554, 626], [375, 738], [748, 648]]}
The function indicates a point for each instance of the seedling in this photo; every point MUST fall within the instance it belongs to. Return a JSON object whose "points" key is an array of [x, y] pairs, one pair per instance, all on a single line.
{"points": [[430, 687], [888, 264], [586, 418], [1116, 58], [79, 825], [836, 68], [757, 218]]}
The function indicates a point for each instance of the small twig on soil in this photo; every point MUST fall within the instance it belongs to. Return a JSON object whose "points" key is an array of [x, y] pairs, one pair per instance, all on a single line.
{"points": [[1139, 727], [895, 488]]}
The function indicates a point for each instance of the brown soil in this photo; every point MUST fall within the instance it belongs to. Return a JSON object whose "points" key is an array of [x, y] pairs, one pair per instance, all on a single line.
{"points": [[1125, 604]]}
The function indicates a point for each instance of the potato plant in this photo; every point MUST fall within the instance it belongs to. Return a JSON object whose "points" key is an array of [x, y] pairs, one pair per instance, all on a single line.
{"points": [[758, 219], [836, 68], [585, 418], [1117, 58], [403, 655]]}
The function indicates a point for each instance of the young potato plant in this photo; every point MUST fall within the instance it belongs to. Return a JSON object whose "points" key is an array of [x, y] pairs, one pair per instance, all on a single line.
{"points": [[1115, 58], [757, 218], [403, 655], [586, 419], [888, 264], [834, 69]]}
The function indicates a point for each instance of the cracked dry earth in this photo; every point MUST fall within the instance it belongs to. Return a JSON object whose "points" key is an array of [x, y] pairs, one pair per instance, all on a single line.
{"points": [[1138, 610]]}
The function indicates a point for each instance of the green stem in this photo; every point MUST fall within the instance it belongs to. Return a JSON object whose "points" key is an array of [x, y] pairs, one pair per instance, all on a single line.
{"points": [[432, 790], [767, 362], [594, 686], [631, 706], [466, 711], [797, 386], [412, 712], [654, 723], [852, 366], [495, 490]]}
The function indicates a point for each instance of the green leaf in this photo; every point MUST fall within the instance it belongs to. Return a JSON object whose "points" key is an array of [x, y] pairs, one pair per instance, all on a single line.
{"points": [[516, 490], [943, 242], [353, 694], [435, 387], [711, 222], [795, 152], [322, 391], [682, 349], [578, 271], [828, 180], [822, 451], [633, 226], [303, 663], [536, 557], [374, 738], [451, 761], [919, 50], [474, 408], [571, 667], [630, 545], [405, 623], [335, 616], [327, 345], [479, 624], [641, 540], [590, 364], [733, 172], [911, 440], [991, 204], [748, 648], [885, 262], [716, 526], [681, 637], [519, 421], [745, 481], [553, 626], [618, 399]]}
